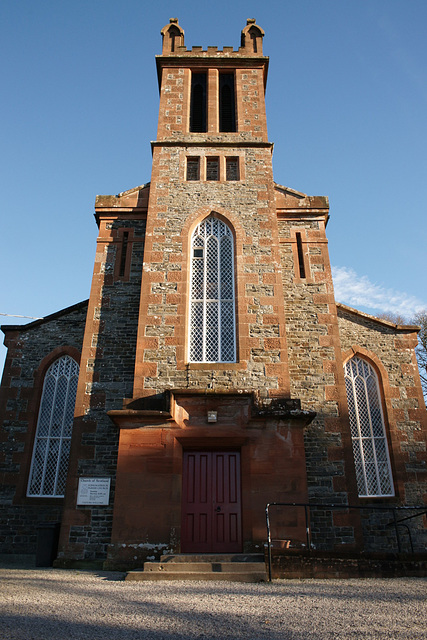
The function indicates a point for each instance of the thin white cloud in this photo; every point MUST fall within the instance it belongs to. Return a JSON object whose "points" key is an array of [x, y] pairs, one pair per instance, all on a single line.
{"points": [[357, 291]]}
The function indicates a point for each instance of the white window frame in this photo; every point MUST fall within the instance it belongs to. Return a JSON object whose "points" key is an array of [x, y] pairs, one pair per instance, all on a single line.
{"points": [[202, 342], [52, 441], [368, 434]]}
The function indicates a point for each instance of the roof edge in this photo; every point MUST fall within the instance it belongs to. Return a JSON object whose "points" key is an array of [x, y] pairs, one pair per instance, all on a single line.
{"points": [[31, 325], [386, 323], [292, 192]]}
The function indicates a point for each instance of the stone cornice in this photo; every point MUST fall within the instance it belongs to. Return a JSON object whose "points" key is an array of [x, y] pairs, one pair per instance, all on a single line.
{"points": [[259, 144]]}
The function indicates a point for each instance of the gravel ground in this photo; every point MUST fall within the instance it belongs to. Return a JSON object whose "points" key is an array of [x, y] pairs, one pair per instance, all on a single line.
{"points": [[53, 604]]}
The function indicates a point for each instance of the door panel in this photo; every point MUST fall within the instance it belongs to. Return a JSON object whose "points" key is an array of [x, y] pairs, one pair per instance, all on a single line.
{"points": [[211, 504]]}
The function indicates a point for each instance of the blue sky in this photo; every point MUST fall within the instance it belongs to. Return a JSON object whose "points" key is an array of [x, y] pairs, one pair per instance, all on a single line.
{"points": [[346, 109]]}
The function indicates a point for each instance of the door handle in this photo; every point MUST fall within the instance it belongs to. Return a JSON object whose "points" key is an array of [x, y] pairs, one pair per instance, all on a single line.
{"points": [[218, 509]]}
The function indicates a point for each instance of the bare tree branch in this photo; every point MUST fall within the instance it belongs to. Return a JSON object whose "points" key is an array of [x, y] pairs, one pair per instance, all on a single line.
{"points": [[421, 349]]}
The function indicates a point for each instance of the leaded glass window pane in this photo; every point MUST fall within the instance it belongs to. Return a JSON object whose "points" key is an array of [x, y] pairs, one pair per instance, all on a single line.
{"points": [[370, 450], [212, 316], [193, 168], [232, 168], [51, 451], [212, 168]]}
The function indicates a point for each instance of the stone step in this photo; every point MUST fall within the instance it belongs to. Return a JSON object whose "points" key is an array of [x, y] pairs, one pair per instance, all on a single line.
{"points": [[213, 557], [154, 576], [226, 567], [214, 567]]}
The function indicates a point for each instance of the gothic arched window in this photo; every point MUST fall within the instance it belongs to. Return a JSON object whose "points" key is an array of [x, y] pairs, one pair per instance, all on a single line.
{"points": [[51, 451], [370, 450], [212, 313]]}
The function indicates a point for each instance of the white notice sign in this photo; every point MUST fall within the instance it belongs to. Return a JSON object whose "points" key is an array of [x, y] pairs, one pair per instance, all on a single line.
{"points": [[94, 491]]}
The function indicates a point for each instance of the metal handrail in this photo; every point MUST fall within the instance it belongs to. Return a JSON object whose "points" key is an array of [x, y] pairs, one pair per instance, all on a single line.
{"points": [[308, 505]]}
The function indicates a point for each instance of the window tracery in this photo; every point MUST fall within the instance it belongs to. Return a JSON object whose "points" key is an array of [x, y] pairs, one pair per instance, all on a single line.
{"points": [[370, 449], [51, 449], [212, 312]]}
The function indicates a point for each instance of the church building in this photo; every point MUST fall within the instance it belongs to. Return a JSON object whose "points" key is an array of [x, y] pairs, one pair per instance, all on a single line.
{"points": [[211, 371]]}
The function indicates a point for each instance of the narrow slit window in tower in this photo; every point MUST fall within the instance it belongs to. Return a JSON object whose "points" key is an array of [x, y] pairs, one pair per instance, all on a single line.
{"points": [[124, 253], [227, 106], [198, 103], [301, 264]]}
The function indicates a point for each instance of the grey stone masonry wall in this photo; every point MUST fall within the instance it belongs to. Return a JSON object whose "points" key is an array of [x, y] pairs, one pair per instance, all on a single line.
{"points": [[31, 350], [390, 350], [114, 362], [315, 359], [108, 361], [246, 204]]}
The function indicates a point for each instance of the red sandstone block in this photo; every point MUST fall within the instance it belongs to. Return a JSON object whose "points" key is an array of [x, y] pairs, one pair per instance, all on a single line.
{"points": [[335, 453], [283, 386], [246, 260], [416, 414], [149, 343], [317, 259], [316, 234], [153, 276], [147, 369], [398, 415], [158, 237], [324, 318], [273, 343], [175, 276], [249, 278], [341, 518], [334, 424], [175, 257], [412, 392], [323, 298], [339, 483], [321, 276], [274, 369], [330, 366], [331, 393], [333, 330], [152, 321], [249, 343], [408, 368], [270, 319], [269, 278], [157, 256]]}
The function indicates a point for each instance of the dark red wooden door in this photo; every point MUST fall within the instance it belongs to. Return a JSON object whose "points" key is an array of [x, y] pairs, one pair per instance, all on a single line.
{"points": [[211, 504]]}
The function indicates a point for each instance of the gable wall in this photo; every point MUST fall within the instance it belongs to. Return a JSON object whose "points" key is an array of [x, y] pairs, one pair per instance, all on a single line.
{"points": [[392, 354], [30, 353]]}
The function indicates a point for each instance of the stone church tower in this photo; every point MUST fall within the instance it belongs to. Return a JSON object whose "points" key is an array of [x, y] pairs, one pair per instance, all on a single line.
{"points": [[217, 372]]}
